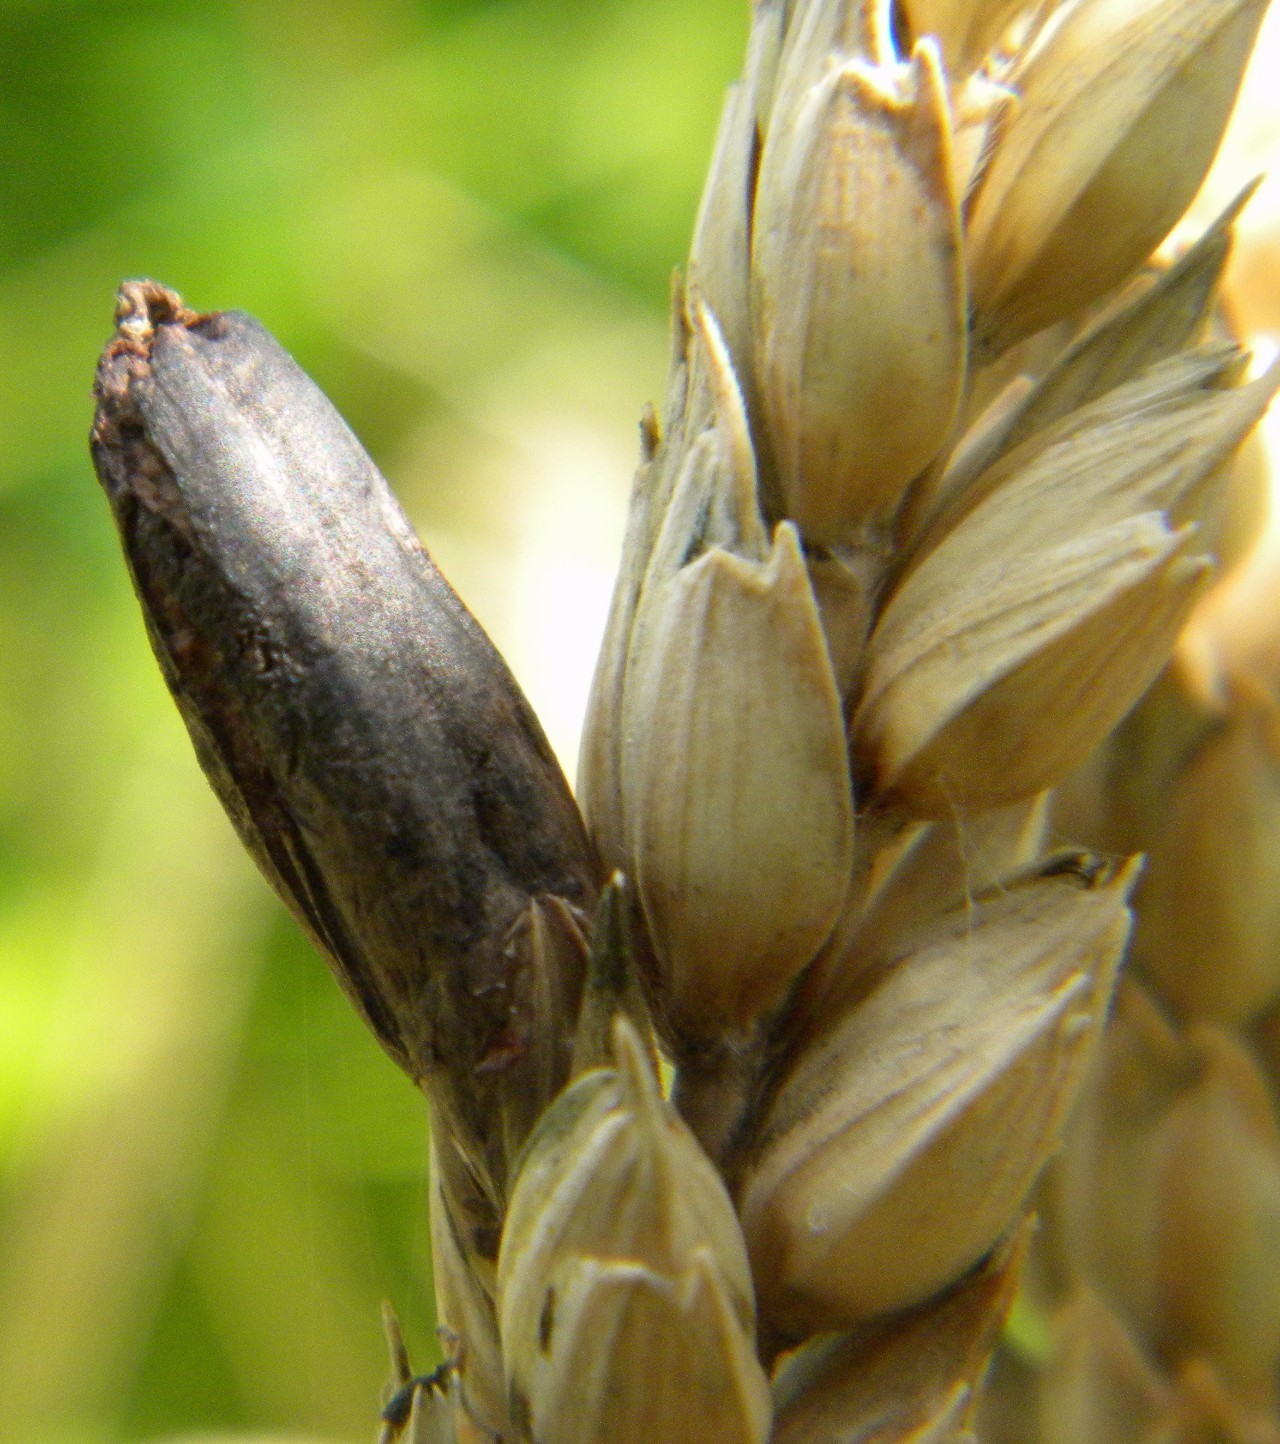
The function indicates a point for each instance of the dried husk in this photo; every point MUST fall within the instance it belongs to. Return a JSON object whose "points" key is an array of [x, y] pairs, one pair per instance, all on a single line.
{"points": [[1103, 1201], [911, 1379], [633, 1354], [620, 1230], [991, 676], [1216, 1178], [902, 1142], [737, 795], [966, 29], [463, 1285], [1121, 108], [857, 293]]}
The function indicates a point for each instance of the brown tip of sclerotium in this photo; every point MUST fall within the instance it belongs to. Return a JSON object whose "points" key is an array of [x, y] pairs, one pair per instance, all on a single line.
{"points": [[141, 306]]}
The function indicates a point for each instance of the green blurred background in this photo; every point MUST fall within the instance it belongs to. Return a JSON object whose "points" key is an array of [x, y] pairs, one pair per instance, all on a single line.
{"points": [[461, 217]]}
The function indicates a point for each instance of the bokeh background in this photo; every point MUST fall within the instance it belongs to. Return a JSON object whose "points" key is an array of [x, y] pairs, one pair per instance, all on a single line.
{"points": [[461, 216]]}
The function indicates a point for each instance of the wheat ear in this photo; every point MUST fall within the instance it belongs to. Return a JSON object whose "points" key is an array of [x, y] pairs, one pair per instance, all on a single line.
{"points": [[936, 486]]}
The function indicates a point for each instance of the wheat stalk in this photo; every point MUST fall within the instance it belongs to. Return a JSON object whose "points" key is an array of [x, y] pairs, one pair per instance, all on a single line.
{"points": [[940, 477]]}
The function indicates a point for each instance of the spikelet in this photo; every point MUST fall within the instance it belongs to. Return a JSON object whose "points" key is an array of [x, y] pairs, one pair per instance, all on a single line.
{"points": [[737, 805], [1121, 106], [1214, 949], [625, 1300], [1217, 1188], [872, 1184], [855, 197], [973, 652]]}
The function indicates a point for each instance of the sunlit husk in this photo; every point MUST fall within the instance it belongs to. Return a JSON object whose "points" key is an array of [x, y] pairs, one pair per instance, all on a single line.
{"points": [[1050, 583], [725, 643], [1153, 319], [737, 792], [878, 1177], [928, 869], [858, 303], [720, 261], [990, 677], [820, 35], [966, 29], [1154, 443], [613, 1172], [1121, 110], [908, 873], [631, 1354], [665, 456]]}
